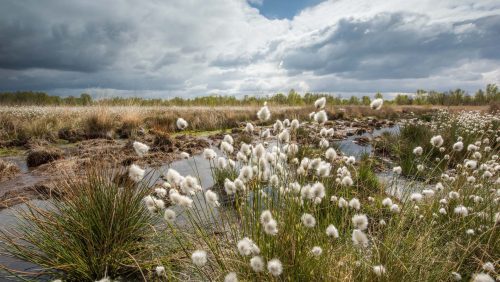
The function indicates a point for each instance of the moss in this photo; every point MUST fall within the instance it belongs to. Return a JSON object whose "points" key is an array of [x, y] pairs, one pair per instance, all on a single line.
{"points": [[6, 152]]}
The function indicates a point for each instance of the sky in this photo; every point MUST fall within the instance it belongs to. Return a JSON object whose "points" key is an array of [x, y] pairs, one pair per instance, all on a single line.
{"points": [[189, 48]]}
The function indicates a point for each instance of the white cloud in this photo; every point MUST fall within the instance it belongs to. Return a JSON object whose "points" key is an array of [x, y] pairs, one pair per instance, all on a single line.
{"points": [[187, 48]]}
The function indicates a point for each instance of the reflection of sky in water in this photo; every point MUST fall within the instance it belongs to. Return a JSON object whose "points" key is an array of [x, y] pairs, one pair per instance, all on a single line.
{"points": [[349, 148]]}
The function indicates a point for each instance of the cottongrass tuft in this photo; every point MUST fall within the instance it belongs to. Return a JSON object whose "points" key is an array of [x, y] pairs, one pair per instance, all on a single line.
{"points": [[359, 238], [332, 231], [317, 251], [257, 264], [275, 267], [320, 117], [212, 198], [231, 277], [489, 266], [247, 247], [437, 141], [418, 151], [482, 277], [456, 276], [264, 114], [379, 270], [320, 103], [376, 104], [169, 215], [136, 173], [397, 170], [181, 123], [140, 148], [199, 258], [308, 220], [160, 270], [360, 221], [461, 211]]}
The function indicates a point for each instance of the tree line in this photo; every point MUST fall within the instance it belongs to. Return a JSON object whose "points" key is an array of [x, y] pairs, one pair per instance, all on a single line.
{"points": [[421, 97]]}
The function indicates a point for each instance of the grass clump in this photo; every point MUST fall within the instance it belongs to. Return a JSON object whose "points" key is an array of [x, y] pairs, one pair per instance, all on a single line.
{"points": [[96, 229]]}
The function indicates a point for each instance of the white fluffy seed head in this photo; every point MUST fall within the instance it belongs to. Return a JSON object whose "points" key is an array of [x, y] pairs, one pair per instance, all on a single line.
{"points": [[377, 104], [332, 231], [199, 258], [275, 267], [379, 270], [359, 238], [482, 277], [181, 124], [316, 251], [169, 215], [231, 277], [257, 264], [320, 103], [437, 141], [308, 220], [320, 117], [418, 151], [136, 173], [140, 148], [264, 114], [360, 221]]}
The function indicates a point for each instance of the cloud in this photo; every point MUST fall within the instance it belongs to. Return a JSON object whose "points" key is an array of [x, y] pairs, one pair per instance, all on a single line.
{"points": [[189, 48], [396, 45]]}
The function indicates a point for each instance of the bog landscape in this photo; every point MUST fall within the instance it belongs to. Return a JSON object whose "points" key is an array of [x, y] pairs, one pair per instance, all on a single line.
{"points": [[198, 163]]}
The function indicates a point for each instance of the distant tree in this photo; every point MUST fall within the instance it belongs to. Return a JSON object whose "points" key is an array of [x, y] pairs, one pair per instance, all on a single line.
{"points": [[365, 100], [86, 99], [378, 95]]}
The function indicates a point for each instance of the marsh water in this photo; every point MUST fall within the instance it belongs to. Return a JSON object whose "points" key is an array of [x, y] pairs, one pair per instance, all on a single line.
{"points": [[197, 166]]}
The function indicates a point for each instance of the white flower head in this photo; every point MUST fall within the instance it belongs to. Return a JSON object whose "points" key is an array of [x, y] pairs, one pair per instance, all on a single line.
{"points": [[160, 270], [212, 198], [308, 220], [332, 231], [359, 238], [169, 215], [275, 267], [418, 151], [140, 148], [379, 270], [437, 141], [316, 251], [320, 103], [264, 114], [320, 117], [181, 124], [199, 258], [257, 264], [136, 173], [377, 104], [482, 277], [231, 277], [360, 221], [209, 154], [397, 170], [247, 247]]}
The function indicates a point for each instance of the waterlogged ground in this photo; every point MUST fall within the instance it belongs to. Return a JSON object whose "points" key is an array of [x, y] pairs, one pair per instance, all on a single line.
{"points": [[348, 144]]}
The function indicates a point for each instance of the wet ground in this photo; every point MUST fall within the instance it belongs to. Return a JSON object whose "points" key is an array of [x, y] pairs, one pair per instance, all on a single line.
{"points": [[25, 186]]}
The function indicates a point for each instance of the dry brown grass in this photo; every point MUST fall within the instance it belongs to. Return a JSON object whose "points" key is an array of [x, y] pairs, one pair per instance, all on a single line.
{"points": [[18, 125]]}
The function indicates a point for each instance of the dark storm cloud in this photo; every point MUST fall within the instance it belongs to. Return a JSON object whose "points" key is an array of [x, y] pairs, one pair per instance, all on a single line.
{"points": [[31, 40], [396, 45]]}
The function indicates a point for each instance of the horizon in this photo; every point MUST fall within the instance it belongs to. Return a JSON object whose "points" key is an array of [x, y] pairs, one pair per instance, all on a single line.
{"points": [[255, 47]]}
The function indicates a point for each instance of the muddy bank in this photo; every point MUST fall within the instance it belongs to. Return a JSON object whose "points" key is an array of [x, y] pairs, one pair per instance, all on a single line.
{"points": [[52, 164], [35, 174]]}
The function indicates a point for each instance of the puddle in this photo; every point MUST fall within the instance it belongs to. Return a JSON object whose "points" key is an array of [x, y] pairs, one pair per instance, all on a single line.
{"points": [[9, 220], [349, 148]]}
